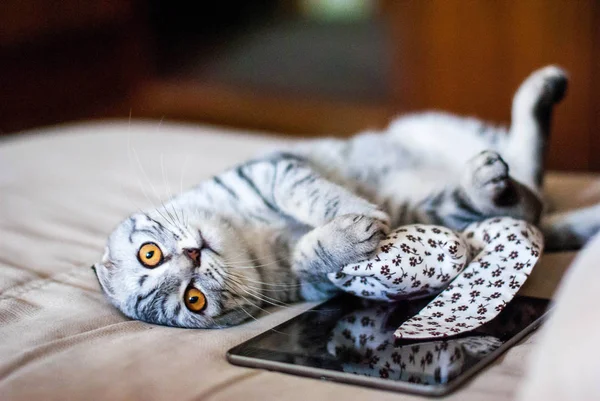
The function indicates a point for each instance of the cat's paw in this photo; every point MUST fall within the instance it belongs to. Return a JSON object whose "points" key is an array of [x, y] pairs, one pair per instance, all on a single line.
{"points": [[382, 217], [543, 88], [551, 83], [356, 237], [487, 171], [487, 180], [348, 238]]}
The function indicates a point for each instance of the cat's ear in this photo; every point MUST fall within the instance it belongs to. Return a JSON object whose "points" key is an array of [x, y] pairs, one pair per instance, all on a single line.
{"points": [[106, 257], [103, 272]]}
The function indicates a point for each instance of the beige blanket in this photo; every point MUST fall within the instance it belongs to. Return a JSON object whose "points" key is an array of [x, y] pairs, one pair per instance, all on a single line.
{"points": [[63, 189]]}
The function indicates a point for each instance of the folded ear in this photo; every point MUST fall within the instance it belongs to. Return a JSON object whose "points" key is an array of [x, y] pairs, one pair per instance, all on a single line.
{"points": [[106, 256], [103, 272]]}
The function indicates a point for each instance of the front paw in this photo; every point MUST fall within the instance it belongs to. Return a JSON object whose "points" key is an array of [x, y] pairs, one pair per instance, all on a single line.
{"points": [[356, 237], [349, 238]]}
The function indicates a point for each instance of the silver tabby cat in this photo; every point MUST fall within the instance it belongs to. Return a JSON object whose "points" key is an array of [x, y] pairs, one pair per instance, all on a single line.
{"points": [[269, 230]]}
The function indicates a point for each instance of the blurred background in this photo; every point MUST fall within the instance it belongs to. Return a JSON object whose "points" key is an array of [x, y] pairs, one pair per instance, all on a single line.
{"points": [[297, 67]]}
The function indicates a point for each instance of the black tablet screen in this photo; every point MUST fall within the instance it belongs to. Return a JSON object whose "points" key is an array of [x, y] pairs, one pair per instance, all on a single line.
{"points": [[351, 335]]}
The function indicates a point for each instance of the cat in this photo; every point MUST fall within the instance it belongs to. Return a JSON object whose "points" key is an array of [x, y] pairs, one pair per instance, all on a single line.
{"points": [[267, 232]]}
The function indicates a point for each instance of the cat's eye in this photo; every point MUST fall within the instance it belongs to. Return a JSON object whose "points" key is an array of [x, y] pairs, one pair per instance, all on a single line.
{"points": [[150, 255], [194, 299]]}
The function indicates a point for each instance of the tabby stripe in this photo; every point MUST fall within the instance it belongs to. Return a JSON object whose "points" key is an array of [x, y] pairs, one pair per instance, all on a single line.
{"points": [[309, 177], [323, 255], [273, 180], [220, 183], [332, 207], [163, 304], [160, 226], [141, 298], [132, 221], [142, 230], [252, 186], [312, 204], [464, 204], [286, 155], [253, 258], [403, 212], [259, 218], [431, 206], [288, 168], [161, 299]]}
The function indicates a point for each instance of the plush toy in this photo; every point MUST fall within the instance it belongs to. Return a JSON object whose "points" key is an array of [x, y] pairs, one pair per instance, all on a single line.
{"points": [[476, 273]]}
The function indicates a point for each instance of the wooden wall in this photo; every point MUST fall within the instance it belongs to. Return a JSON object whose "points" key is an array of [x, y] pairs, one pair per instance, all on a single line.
{"points": [[72, 60], [469, 56]]}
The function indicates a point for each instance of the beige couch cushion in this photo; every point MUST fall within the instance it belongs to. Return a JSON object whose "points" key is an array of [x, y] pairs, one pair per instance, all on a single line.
{"points": [[63, 189]]}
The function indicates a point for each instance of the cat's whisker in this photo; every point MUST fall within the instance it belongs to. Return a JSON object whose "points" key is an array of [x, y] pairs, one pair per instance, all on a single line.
{"points": [[273, 289], [263, 297], [242, 308], [266, 298], [232, 286], [143, 172], [167, 186], [284, 285], [184, 165], [145, 175], [129, 154], [236, 263], [131, 150], [136, 206]]}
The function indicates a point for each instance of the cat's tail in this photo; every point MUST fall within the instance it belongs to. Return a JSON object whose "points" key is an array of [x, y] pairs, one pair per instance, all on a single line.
{"points": [[570, 230]]}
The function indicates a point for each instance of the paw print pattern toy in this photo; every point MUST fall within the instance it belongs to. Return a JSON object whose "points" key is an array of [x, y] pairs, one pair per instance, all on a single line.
{"points": [[475, 273]]}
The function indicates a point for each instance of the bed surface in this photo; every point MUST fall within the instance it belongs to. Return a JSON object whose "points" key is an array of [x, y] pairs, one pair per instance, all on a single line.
{"points": [[63, 189]]}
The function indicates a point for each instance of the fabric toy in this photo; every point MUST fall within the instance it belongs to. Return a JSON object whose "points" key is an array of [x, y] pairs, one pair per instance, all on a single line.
{"points": [[476, 273]]}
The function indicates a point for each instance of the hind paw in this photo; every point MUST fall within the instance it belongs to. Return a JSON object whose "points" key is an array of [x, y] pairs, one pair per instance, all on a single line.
{"points": [[544, 88], [487, 181], [551, 84]]}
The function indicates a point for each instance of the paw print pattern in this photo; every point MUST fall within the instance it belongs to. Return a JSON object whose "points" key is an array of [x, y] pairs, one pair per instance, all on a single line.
{"points": [[509, 249], [412, 261], [367, 351], [419, 260]]}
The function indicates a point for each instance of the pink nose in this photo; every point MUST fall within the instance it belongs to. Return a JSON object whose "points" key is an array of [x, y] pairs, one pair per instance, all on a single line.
{"points": [[193, 254]]}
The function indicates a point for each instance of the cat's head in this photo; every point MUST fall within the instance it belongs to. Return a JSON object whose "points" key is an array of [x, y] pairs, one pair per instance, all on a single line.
{"points": [[178, 272]]}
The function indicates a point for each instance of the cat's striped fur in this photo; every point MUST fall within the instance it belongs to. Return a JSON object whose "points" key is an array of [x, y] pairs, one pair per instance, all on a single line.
{"points": [[269, 230]]}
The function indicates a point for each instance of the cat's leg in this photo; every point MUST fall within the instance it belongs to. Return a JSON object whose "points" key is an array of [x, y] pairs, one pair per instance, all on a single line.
{"points": [[291, 187], [493, 192], [570, 230], [531, 118], [345, 239], [485, 190]]}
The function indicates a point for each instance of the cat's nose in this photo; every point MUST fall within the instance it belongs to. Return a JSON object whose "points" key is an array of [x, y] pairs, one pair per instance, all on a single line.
{"points": [[193, 254]]}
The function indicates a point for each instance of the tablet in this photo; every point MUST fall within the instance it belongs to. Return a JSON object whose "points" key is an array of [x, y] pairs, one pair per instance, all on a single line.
{"points": [[350, 340]]}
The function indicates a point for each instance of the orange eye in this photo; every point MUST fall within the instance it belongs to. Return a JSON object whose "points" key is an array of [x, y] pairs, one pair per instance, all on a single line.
{"points": [[150, 255], [194, 299]]}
